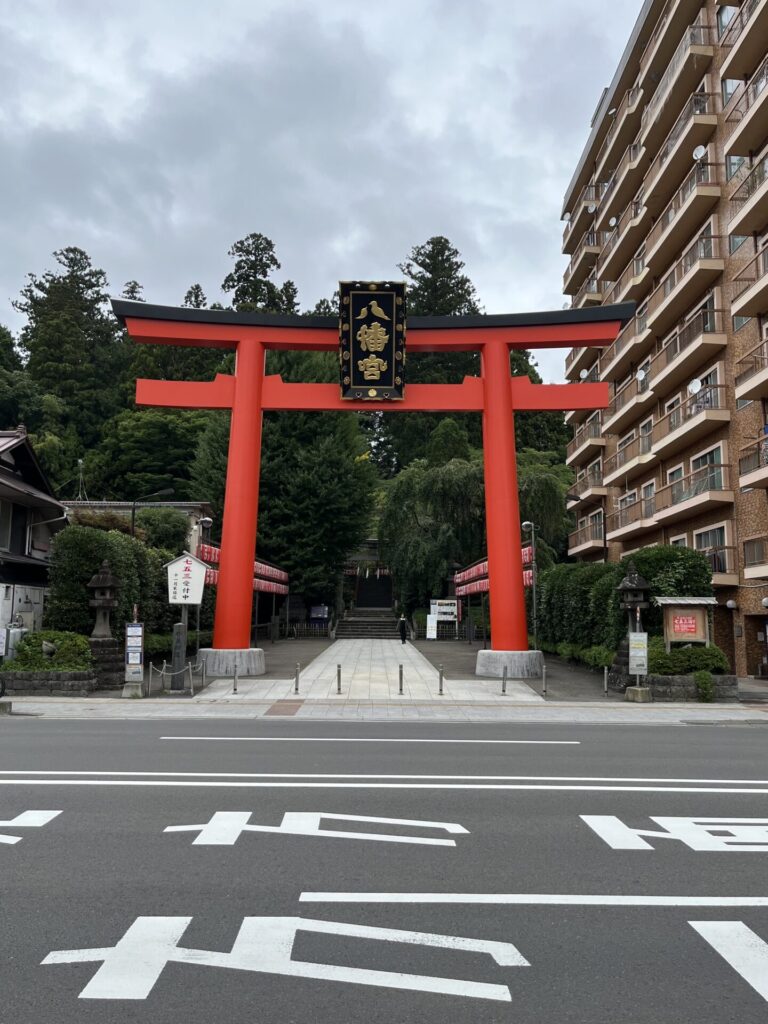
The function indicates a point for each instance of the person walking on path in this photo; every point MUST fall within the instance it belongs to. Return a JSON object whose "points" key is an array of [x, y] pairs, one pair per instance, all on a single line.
{"points": [[402, 628]]}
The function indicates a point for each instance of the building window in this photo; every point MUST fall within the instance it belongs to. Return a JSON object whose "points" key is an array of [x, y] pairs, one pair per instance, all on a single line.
{"points": [[739, 322], [649, 500], [742, 403], [6, 516], [732, 165], [679, 542], [706, 471], [725, 15], [712, 544], [729, 87], [755, 552], [735, 242]]}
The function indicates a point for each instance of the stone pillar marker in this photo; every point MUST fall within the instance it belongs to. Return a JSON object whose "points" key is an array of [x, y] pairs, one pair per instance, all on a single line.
{"points": [[107, 656]]}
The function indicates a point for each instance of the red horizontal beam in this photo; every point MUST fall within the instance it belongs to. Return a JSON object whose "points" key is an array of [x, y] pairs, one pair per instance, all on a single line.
{"points": [[465, 397], [459, 339], [187, 394]]}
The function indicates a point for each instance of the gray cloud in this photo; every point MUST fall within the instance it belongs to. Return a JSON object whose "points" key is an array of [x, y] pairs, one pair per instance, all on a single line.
{"points": [[154, 136]]}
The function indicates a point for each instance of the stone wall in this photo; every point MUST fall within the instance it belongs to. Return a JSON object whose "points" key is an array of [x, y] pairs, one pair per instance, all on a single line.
{"points": [[49, 684], [676, 688]]}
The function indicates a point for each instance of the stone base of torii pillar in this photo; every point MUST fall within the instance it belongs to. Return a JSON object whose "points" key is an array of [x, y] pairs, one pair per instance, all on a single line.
{"points": [[248, 661], [519, 664]]}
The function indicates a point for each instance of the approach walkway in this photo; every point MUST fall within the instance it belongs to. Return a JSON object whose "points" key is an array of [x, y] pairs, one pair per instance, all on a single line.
{"points": [[369, 672]]}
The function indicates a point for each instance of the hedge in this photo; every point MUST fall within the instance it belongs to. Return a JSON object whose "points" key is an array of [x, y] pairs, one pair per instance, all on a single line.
{"points": [[683, 661], [72, 653]]}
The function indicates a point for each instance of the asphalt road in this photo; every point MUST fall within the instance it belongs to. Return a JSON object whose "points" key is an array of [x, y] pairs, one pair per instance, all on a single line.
{"points": [[521, 912]]}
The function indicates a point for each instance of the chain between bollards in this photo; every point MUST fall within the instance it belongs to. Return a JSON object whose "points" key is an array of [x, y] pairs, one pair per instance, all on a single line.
{"points": [[544, 680], [440, 680], [338, 679], [400, 679], [298, 673], [605, 681], [504, 679]]}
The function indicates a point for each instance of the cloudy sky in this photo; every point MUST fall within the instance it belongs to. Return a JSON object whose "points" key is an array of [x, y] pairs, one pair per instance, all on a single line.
{"points": [[155, 133]]}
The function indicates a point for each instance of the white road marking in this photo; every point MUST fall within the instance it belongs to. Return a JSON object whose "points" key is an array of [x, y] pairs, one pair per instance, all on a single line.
{"points": [[226, 827], [734, 835], [370, 785], [130, 969], [741, 948], [27, 819], [526, 899], [367, 739]]}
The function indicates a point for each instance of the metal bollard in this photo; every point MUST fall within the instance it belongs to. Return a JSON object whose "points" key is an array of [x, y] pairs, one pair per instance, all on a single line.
{"points": [[234, 684], [544, 680], [504, 679], [338, 679], [191, 681], [400, 676], [298, 673], [440, 680], [202, 682], [605, 681]]}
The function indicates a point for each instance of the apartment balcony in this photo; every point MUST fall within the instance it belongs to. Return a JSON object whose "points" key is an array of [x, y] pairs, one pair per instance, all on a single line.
{"points": [[660, 48], [750, 287], [591, 292], [693, 345], [586, 443], [587, 540], [696, 270], [622, 185], [685, 70], [704, 490], [589, 489], [582, 216], [623, 240], [748, 118], [695, 126], [753, 464], [756, 558], [744, 40], [723, 562], [627, 405], [575, 416], [749, 203], [582, 262], [696, 417], [631, 345], [631, 520], [623, 129], [696, 197], [633, 283], [752, 374], [630, 461], [580, 359]]}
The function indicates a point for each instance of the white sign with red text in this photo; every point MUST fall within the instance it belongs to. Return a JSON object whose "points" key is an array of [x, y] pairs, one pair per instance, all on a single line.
{"points": [[186, 579]]}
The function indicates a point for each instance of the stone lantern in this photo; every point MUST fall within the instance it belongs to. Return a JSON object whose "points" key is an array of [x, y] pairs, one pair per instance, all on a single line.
{"points": [[633, 593], [105, 587]]}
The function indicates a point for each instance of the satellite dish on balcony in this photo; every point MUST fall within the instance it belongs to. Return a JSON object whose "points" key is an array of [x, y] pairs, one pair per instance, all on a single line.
{"points": [[641, 374], [699, 153], [583, 374], [591, 208], [612, 222], [566, 217], [612, 111], [694, 387]]}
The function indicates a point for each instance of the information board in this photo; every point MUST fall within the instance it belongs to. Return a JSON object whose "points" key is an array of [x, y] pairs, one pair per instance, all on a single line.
{"points": [[638, 654], [431, 627], [134, 652]]}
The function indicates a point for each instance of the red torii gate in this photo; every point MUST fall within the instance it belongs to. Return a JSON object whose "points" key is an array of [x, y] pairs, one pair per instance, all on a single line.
{"points": [[249, 392]]}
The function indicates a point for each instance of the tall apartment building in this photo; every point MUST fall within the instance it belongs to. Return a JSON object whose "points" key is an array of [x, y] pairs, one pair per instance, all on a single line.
{"points": [[668, 207]]}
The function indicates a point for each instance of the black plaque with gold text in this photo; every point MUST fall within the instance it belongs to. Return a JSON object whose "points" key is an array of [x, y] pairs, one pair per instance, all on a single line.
{"points": [[372, 339]]}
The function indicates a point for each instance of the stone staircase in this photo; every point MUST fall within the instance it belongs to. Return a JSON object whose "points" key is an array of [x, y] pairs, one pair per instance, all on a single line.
{"points": [[369, 624]]}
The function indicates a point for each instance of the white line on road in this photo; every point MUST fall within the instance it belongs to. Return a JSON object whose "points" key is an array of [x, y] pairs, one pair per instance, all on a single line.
{"points": [[368, 739], [533, 899], [373, 776], [741, 948], [210, 784]]}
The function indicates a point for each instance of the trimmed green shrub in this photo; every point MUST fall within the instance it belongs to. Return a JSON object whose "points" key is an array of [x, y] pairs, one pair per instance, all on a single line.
{"points": [[683, 661], [705, 686], [164, 528], [569, 652], [72, 653], [598, 656], [157, 645]]}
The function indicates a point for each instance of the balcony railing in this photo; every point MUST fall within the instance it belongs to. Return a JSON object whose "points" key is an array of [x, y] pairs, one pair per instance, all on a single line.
{"points": [[695, 35], [738, 23], [749, 95], [721, 559], [753, 181], [706, 247], [628, 515], [755, 552], [710, 397], [591, 287], [629, 213], [590, 195], [593, 477], [708, 478], [591, 429], [585, 534], [620, 458], [591, 238], [629, 100], [631, 153], [634, 269], [698, 103], [754, 456], [754, 271], [752, 362], [631, 330], [706, 321], [637, 386], [702, 174]]}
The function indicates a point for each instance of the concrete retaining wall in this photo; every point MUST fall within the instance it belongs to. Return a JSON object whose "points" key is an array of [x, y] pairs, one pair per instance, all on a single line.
{"points": [[677, 688]]}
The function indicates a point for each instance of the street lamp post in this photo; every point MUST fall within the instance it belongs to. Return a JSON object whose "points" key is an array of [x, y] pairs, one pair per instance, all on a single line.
{"points": [[530, 527], [166, 491]]}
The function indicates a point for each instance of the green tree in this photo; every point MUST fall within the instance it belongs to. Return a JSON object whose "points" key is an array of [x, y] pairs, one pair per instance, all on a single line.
{"points": [[195, 297], [208, 471], [10, 360], [133, 290], [164, 528], [447, 441], [249, 280]]}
